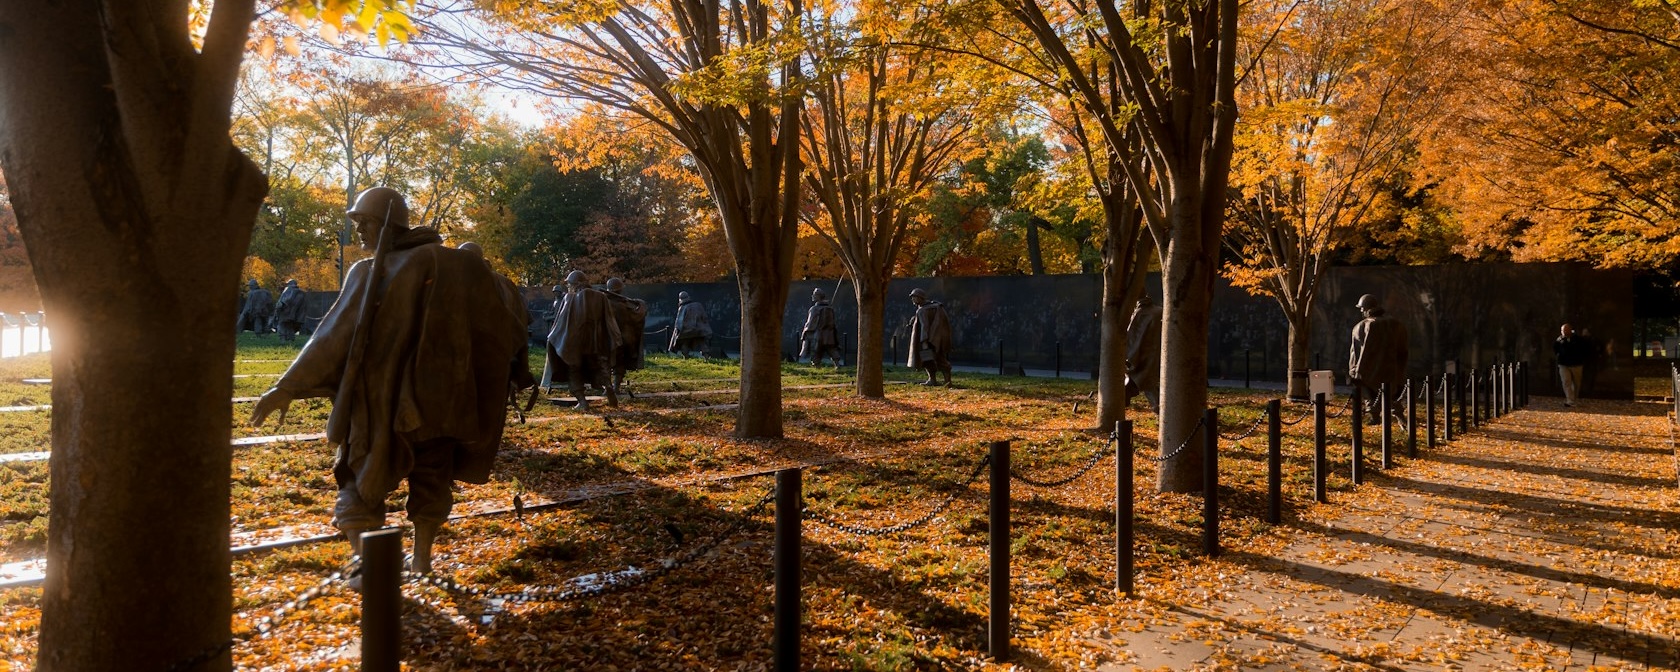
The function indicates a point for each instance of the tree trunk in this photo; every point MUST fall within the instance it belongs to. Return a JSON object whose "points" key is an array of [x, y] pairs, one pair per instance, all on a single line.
{"points": [[1123, 270], [1187, 280], [1300, 337], [762, 306], [137, 211], [872, 309]]}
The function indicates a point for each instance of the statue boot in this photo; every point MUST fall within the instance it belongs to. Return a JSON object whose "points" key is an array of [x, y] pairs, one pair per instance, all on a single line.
{"points": [[355, 537], [425, 532]]}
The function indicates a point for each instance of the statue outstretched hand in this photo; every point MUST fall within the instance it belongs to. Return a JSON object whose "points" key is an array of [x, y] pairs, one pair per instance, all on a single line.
{"points": [[273, 400]]}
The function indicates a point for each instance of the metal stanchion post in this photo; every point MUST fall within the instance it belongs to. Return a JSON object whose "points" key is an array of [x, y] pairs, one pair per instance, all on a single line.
{"points": [[789, 510], [1463, 408], [998, 627], [382, 600], [1274, 462], [1123, 509], [1000, 356], [1411, 420], [1319, 461], [1058, 359], [1429, 412], [1356, 413], [1447, 406], [1475, 400], [1387, 434], [1210, 482]]}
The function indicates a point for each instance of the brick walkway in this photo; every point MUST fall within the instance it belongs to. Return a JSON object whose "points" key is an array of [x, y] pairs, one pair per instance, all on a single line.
{"points": [[1549, 539]]}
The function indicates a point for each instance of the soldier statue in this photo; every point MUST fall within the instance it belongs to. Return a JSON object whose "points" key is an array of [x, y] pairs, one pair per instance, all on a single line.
{"points": [[820, 337], [415, 355], [289, 311], [930, 338], [1143, 353], [631, 315], [259, 309], [582, 341], [690, 330]]}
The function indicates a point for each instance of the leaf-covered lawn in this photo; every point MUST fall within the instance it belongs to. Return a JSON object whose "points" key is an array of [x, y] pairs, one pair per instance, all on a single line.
{"points": [[657, 478]]}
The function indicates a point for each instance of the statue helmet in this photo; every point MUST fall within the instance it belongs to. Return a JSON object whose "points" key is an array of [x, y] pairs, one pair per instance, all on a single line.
{"points": [[252, 284], [615, 284], [377, 201], [472, 247], [577, 278], [559, 289], [682, 296], [917, 293], [819, 295], [1368, 301], [291, 282]]}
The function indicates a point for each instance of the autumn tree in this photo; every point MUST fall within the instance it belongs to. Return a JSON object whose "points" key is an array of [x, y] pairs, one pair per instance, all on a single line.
{"points": [[371, 128], [722, 79], [1334, 93], [1156, 81], [136, 209], [882, 122], [1563, 145]]}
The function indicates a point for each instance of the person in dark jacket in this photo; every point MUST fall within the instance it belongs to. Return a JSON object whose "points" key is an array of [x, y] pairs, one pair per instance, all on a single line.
{"points": [[1571, 352]]}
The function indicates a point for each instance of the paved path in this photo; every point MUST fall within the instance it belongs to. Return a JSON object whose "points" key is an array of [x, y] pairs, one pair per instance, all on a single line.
{"points": [[1547, 540]]}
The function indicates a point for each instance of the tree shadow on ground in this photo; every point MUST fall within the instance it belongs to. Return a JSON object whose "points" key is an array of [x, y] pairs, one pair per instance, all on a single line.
{"points": [[1547, 470], [1605, 513], [1604, 639]]}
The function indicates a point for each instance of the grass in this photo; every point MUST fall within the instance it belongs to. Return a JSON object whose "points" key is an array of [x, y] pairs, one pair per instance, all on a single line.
{"points": [[914, 600]]}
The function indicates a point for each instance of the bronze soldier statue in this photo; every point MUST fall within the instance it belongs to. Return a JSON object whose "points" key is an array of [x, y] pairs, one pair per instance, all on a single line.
{"points": [[289, 311], [581, 344], [631, 315], [259, 309], [415, 355], [690, 330], [930, 338], [1377, 356], [1143, 353], [820, 338]]}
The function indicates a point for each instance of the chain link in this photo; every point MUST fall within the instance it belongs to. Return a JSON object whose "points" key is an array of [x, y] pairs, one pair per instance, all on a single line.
{"points": [[906, 525], [612, 581], [1340, 410], [267, 623], [1304, 415], [1090, 464], [1199, 422], [1251, 430]]}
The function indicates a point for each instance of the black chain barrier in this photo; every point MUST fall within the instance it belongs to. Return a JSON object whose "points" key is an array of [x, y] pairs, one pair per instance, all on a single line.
{"points": [[612, 581], [1187, 439], [1304, 415], [1251, 430], [267, 623], [1340, 410], [1090, 464], [656, 332], [865, 531]]}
